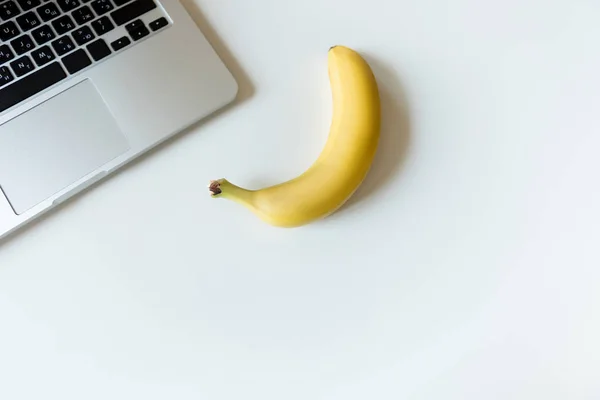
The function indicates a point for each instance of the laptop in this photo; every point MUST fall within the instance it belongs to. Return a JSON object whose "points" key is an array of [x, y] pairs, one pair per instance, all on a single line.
{"points": [[86, 86]]}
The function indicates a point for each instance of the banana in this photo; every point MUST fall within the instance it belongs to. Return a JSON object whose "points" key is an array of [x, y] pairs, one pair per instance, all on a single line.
{"points": [[344, 161]]}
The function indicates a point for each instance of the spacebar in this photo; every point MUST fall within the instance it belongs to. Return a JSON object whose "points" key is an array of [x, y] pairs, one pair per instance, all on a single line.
{"points": [[30, 85], [132, 10]]}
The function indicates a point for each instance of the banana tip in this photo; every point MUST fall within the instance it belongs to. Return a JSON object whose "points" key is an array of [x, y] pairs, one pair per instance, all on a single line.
{"points": [[214, 188]]}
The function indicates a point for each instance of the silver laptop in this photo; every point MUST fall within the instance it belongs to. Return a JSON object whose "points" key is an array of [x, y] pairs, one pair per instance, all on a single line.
{"points": [[88, 85]]}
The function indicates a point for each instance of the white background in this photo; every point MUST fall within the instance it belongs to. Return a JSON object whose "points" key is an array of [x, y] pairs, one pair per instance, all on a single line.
{"points": [[467, 266]]}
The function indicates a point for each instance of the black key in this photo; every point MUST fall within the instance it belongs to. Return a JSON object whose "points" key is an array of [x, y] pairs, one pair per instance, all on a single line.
{"points": [[22, 66], [134, 25], [76, 61], [48, 11], [119, 3], [63, 25], [68, 5], [99, 49], [102, 6], [83, 35], [27, 5], [9, 31], [102, 25], [28, 21], [6, 54], [9, 10], [63, 45], [139, 32], [159, 23], [31, 85], [83, 15], [120, 43], [42, 56], [132, 11], [43, 34], [22, 44], [5, 77]]}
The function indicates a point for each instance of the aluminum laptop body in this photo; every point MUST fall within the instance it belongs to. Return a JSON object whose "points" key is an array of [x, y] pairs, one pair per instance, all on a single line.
{"points": [[86, 86]]}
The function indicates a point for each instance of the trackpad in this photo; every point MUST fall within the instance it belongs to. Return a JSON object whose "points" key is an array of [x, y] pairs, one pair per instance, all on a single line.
{"points": [[55, 144]]}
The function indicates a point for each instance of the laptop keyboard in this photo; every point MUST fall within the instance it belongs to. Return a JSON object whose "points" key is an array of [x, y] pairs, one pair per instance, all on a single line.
{"points": [[43, 42]]}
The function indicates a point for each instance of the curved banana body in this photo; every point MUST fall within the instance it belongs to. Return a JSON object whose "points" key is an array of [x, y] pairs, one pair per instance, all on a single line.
{"points": [[343, 163]]}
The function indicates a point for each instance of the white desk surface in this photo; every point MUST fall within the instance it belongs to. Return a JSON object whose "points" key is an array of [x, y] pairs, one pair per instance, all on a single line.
{"points": [[467, 267]]}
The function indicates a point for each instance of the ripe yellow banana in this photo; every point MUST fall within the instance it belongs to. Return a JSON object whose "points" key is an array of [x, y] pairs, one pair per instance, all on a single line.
{"points": [[343, 163]]}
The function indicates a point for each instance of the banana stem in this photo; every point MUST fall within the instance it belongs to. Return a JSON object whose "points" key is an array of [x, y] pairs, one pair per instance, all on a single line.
{"points": [[224, 188]]}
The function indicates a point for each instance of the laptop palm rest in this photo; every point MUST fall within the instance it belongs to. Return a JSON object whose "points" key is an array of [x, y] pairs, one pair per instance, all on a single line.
{"points": [[55, 144]]}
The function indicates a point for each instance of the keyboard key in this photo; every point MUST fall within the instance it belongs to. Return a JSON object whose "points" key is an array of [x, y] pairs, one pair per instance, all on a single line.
{"points": [[43, 34], [99, 49], [102, 6], [5, 78], [22, 44], [9, 31], [31, 85], [119, 3], [63, 45], [83, 35], [28, 21], [9, 10], [27, 5], [48, 11], [102, 25], [132, 11], [159, 24], [68, 5], [6, 54], [120, 43], [63, 25], [134, 25], [139, 32], [83, 15], [42, 56], [76, 61], [22, 66]]}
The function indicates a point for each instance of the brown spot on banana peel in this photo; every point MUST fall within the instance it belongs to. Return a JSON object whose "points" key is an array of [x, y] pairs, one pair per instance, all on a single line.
{"points": [[215, 188]]}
